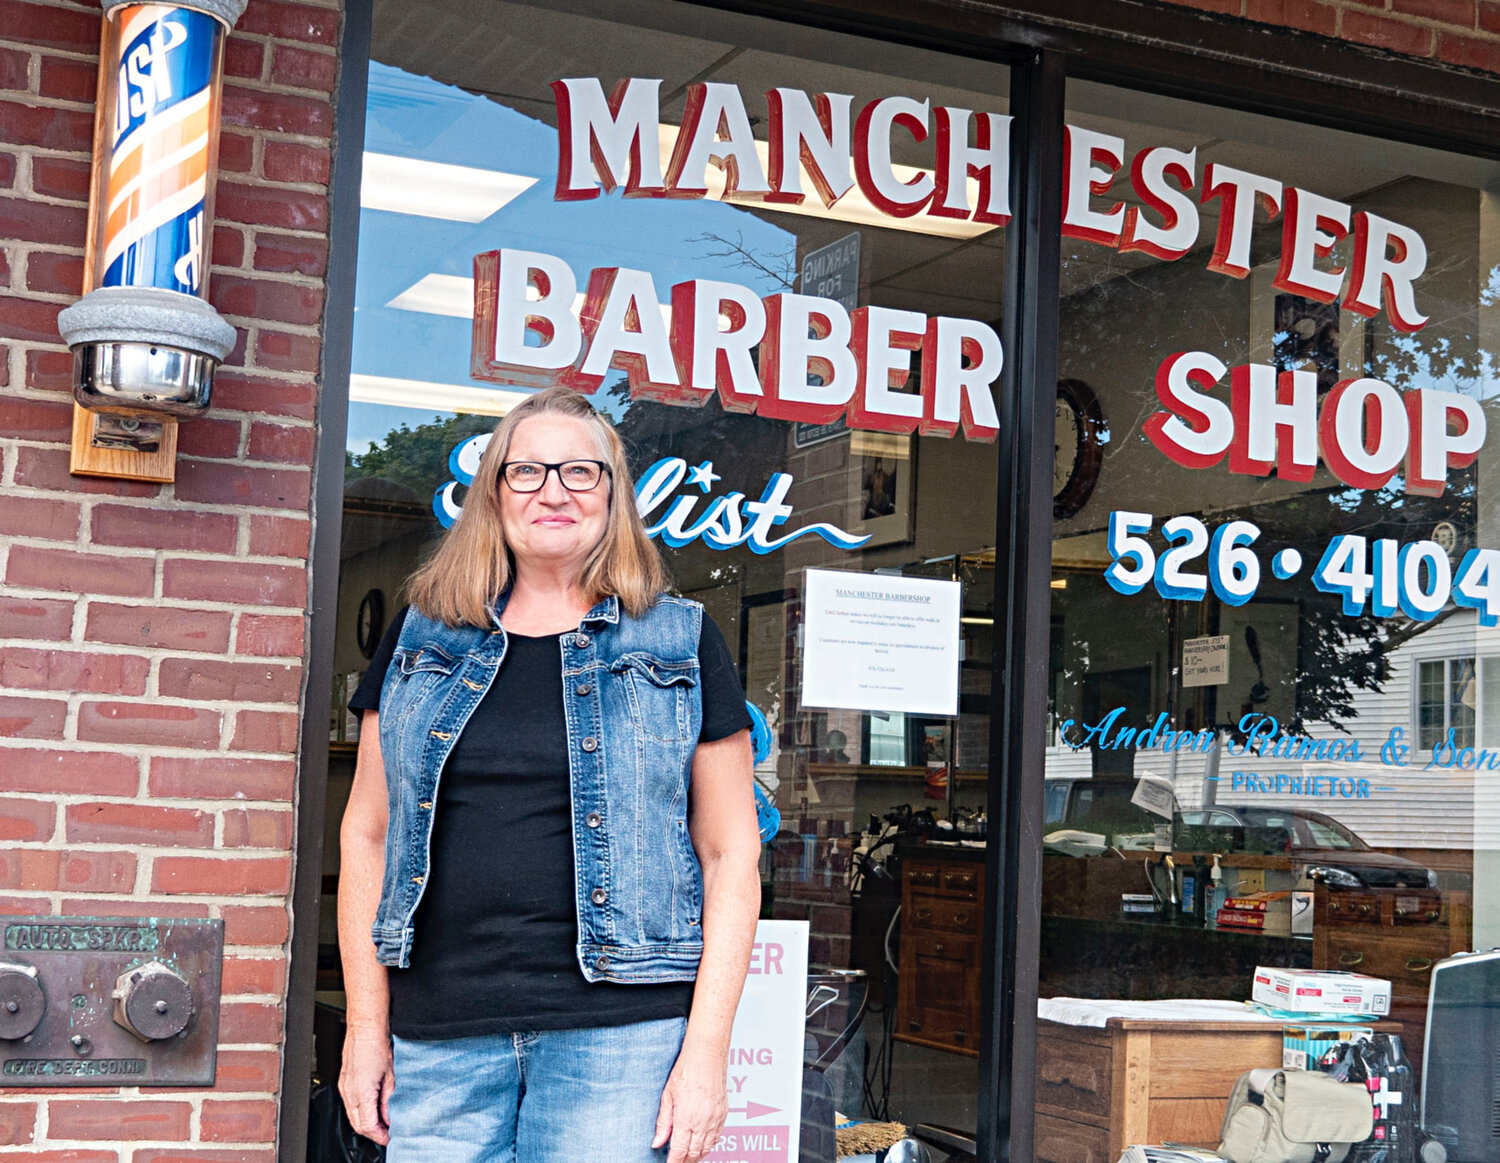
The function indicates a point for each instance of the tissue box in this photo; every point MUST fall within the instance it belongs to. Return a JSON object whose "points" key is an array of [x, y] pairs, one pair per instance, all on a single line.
{"points": [[1320, 991], [1302, 1046]]}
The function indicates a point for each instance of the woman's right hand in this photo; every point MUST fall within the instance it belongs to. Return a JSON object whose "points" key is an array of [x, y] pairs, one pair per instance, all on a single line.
{"points": [[366, 1081]]}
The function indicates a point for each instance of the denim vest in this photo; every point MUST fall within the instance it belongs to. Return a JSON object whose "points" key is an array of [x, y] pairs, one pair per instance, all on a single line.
{"points": [[634, 712]]}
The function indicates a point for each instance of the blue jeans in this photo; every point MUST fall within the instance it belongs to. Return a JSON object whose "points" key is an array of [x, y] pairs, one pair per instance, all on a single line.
{"points": [[580, 1096]]}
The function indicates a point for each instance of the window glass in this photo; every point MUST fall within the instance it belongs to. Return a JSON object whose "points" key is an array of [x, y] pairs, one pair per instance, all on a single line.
{"points": [[881, 798], [1275, 563]]}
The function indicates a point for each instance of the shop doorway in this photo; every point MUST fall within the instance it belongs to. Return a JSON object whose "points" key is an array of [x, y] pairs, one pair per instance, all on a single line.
{"points": [[883, 809]]}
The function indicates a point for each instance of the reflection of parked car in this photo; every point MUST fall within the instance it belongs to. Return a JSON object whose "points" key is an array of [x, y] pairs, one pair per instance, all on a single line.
{"points": [[1331, 852], [1085, 816]]}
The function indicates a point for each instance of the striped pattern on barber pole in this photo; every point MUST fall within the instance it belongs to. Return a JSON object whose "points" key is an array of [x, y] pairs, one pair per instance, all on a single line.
{"points": [[156, 163]]}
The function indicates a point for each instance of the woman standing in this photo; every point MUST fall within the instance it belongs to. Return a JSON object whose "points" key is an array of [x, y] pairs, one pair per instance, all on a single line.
{"points": [[551, 835]]}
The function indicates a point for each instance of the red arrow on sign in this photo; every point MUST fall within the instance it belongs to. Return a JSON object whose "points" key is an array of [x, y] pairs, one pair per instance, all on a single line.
{"points": [[753, 1110]]}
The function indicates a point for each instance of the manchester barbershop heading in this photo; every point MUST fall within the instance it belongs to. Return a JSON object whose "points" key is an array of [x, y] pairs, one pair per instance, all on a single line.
{"points": [[805, 357]]}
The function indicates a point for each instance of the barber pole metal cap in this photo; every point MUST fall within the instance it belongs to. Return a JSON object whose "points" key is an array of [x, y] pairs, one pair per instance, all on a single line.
{"points": [[142, 348], [228, 11]]}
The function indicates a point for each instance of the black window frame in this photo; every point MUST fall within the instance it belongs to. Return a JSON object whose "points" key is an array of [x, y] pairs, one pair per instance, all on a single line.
{"points": [[1139, 44]]}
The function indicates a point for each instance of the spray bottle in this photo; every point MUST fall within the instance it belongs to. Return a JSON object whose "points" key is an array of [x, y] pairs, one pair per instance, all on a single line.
{"points": [[1217, 895]]}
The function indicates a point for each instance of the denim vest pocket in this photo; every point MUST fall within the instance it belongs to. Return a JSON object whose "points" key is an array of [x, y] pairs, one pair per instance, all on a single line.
{"points": [[415, 675], [658, 693], [428, 659]]}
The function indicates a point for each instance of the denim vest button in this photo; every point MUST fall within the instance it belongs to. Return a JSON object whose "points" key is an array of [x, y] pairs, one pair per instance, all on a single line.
{"points": [[601, 962], [590, 743], [581, 641], [582, 689], [598, 896], [593, 819]]}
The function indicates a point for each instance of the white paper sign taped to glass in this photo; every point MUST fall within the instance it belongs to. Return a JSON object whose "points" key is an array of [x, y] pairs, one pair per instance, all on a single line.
{"points": [[765, 1051], [872, 642], [1205, 661]]}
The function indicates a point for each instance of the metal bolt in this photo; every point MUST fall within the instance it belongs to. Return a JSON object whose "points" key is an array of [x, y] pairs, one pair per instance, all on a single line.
{"points": [[12, 1007], [161, 1007]]}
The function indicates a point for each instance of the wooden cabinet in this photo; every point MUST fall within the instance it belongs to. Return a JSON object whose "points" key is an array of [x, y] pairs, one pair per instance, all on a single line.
{"points": [[942, 906], [1397, 934], [1134, 1081]]}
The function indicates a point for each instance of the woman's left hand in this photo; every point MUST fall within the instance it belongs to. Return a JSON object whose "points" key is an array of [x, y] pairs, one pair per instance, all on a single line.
{"points": [[693, 1106]]}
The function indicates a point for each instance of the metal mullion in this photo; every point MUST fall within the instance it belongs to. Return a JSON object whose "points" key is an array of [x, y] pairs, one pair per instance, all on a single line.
{"points": [[323, 565], [1023, 537]]}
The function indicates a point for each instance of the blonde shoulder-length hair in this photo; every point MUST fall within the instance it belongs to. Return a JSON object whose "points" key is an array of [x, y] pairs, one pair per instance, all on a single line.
{"points": [[472, 565]]}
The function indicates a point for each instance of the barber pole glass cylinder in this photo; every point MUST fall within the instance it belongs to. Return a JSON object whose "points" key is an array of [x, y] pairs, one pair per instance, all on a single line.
{"points": [[144, 337]]}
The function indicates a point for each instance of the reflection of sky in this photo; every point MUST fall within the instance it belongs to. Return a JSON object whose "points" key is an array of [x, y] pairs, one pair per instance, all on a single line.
{"points": [[412, 116]]}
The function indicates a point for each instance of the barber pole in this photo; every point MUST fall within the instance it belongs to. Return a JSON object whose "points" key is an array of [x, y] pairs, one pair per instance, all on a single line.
{"points": [[159, 147], [144, 337]]}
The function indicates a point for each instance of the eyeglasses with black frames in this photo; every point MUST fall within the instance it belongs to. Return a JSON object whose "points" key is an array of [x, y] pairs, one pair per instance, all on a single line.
{"points": [[577, 476]]}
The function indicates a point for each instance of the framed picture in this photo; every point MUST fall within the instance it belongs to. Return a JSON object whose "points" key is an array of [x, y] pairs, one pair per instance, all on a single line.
{"points": [[1290, 332], [882, 487]]}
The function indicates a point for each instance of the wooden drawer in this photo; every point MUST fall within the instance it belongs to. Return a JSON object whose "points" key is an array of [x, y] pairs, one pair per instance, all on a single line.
{"points": [[1074, 1075], [962, 881], [946, 879], [1404, 959], [937, 914], [1417, 907], [1061, 1141], [926, 876], [1353, 908]]}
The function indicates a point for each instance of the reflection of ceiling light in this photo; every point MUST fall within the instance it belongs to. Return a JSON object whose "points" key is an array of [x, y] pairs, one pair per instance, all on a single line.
{"points": [[432, 397], [1059, 583], [852, 207], [884, 444], [463, 194], [454, 295], [409, 185], [438, 295]]}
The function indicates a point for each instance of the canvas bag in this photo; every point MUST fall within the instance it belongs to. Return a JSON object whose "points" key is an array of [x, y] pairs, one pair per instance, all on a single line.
{"points": [[1294, 1116]]}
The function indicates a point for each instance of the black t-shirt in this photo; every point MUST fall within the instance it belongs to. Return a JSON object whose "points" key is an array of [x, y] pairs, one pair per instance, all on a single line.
{"points": [[497, 928]]}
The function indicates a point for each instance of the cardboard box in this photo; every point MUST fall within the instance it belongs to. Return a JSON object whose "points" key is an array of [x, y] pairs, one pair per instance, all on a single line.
{"points": [[1302, 1046], [1320, 991]]}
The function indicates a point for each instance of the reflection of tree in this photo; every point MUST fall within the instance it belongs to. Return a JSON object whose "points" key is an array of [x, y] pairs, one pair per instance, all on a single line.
{"points": [[1340, 654], [1118, 326], [780, 269], [416, 458]]}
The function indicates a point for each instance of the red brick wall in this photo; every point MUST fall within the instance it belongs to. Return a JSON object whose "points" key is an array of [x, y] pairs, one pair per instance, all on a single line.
{"points": [[1456, 32], [152, 636]]}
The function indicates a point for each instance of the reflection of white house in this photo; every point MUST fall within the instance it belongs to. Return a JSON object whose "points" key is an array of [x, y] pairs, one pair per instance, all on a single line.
{"points": [[1445, 678]]}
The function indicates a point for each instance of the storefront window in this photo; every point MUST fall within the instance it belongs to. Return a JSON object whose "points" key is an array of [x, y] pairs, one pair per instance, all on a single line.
{"points": [[462, 160], [1272, 604]]}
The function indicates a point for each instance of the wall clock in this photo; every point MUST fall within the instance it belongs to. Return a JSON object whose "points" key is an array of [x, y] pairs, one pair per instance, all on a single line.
{"points": [[1078, 447], [370, 624]]}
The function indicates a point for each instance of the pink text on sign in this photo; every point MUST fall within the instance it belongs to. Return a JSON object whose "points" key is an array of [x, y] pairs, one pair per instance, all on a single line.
{"points": [[751, 1145]]}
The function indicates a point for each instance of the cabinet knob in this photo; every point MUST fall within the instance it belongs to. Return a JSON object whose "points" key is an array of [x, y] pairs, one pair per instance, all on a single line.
{"points": [[960, 918], [1348, 959], [1418, 964]]}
